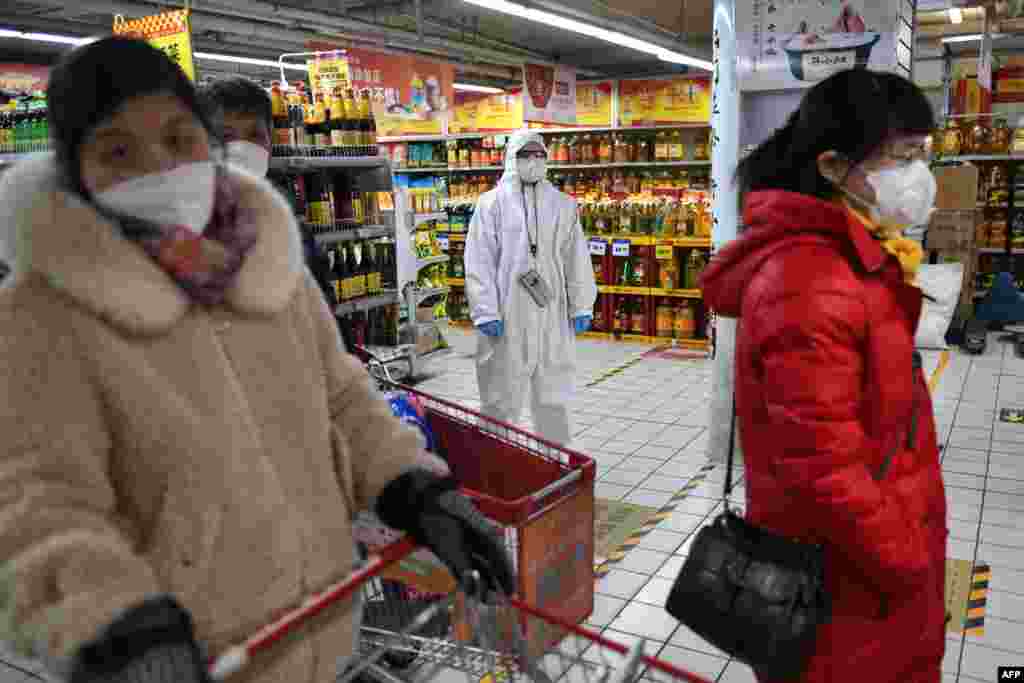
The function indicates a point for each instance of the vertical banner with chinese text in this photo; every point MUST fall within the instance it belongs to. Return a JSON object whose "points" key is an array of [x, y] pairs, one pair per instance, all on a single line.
{"points": [[169, 31], [328, 74], [549, 94]]}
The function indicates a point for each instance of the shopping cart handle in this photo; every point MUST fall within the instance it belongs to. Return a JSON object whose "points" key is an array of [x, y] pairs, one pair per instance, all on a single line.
{"points": [[236, 658], [556, 486]]}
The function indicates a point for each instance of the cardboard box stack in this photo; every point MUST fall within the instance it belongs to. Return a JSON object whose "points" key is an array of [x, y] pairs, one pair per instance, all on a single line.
{"points": [[952, 231]]}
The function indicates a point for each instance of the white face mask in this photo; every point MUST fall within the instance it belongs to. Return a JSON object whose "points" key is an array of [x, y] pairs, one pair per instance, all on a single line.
{"points": [[182, 196], [532, 170], [250, 156], [904, 195]]}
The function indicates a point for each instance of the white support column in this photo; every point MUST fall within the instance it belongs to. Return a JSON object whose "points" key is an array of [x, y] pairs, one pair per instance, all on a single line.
{"points": [[725, 138]]}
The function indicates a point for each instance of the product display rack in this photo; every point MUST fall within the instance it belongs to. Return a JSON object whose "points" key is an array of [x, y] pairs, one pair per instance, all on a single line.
{"points": [[422, 329], [985, 261], [372, 176]]}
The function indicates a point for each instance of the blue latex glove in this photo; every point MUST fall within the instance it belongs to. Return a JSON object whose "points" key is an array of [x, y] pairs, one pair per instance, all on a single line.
{"points": [[495, 328], [581, 323]]}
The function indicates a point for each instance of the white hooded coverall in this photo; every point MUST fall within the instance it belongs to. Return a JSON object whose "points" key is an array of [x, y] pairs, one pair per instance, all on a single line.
{"points": [[537, 347]]}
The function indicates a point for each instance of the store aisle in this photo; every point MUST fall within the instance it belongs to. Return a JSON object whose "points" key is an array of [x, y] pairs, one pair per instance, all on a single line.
{"points": [[645, 425]]}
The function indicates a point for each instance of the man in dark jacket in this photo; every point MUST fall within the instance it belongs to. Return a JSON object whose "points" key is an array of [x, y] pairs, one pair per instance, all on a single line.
{"points": [[242, 112]]}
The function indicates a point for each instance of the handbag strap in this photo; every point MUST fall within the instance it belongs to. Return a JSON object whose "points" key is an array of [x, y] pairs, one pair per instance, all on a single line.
{"points": [[911, 436]]}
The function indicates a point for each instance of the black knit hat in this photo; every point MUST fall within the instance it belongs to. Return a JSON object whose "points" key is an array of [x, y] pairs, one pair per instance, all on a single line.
{"points": [[92, 82]]}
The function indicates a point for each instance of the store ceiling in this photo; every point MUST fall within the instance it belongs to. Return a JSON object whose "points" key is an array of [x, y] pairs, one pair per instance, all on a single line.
{"points": [[470, 35]]}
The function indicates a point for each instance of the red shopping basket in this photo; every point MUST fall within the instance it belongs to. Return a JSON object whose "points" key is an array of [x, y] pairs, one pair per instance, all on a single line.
{"points": [[540, 493]]}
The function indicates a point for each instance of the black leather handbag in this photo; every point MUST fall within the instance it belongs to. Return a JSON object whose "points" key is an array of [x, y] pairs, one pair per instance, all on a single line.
{"points": [[756, 595]]}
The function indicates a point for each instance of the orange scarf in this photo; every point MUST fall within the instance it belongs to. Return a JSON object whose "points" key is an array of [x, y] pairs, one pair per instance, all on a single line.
{"points": [[909, 252]]}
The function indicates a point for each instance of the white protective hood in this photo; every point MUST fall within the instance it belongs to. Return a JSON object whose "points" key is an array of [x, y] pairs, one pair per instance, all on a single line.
{"points": [[519, 139]]}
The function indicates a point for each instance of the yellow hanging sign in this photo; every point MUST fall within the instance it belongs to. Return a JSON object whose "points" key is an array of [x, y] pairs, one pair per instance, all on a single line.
{"points": [[170, 32]]}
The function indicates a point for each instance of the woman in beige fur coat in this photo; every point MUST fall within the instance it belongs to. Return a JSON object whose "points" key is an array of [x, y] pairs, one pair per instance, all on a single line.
{"points": [[185, 443]]}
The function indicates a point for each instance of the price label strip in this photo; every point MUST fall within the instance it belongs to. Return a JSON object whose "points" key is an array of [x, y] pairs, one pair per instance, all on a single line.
{"points": [[598, 247], [620, 248]]}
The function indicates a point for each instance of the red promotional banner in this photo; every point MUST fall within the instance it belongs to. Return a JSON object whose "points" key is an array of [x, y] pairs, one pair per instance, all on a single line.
{"points": [[412, 96], [22, 79]]}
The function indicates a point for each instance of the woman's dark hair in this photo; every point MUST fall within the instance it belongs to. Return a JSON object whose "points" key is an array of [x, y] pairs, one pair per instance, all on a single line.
{"points": [[853, 112], [93, 81], [237, 95]]}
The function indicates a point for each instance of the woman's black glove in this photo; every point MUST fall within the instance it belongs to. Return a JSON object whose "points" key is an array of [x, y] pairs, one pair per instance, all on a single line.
{"points": [[151, 643], [440, 518]]}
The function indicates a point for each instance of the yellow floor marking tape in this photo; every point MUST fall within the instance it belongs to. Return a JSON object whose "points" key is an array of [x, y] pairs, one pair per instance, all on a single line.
{"points": [[937, 374]]}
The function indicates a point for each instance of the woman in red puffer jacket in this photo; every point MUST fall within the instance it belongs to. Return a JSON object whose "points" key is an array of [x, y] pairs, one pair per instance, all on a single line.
{"points": [[824, 288]]}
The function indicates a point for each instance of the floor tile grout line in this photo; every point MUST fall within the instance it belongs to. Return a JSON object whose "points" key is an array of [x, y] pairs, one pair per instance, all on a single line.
{"points": [[981, 505]]}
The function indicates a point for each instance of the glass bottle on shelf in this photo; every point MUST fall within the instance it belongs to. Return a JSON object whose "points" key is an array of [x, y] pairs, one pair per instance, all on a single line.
{"points": [[694, 267], [952, 139], [621, 149], [1000, 140], [662, 151], [605, 150], [980, 137], [701, 148], [677, 148], [279, 118]]}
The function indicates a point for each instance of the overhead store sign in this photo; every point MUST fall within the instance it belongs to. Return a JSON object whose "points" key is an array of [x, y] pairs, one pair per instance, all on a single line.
{"points": [[549, 94], [169, 31], [478, 113], [794, 44], [654, 102], [594, 104], [329, 74], [412, 96], [22, 79]]}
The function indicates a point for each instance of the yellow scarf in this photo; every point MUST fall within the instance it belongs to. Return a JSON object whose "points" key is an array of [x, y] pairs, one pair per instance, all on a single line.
{"points": [[909, 252]]}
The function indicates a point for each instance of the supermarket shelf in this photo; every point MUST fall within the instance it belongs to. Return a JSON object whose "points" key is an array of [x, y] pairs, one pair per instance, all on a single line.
{"points": [[456, 237], [983, 157], [542, 131], [678, 293], [421, 218], [421, 295], [650, 240], [285, 163], [651, 291], [1000, 250], [13, 157], [583, 167], [456, 282], [429, 169], [349, 234], [431, 261], [612, 289], [367, 303], [640, 339]]}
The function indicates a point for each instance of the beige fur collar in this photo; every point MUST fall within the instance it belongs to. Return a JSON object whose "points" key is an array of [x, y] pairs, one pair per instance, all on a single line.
{"points": [[62, 238]]}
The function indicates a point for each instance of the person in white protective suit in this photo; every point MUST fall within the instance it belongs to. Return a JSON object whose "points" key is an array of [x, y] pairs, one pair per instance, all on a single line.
{"points": [[531, 289]]}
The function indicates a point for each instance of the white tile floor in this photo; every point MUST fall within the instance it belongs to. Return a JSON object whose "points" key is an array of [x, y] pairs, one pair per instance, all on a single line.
{"points": [[646, 428]]}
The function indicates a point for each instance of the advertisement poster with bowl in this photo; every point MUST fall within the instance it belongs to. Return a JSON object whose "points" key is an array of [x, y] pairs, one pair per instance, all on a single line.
{"points": [[549, 94], [793, 44], [412, 96]]}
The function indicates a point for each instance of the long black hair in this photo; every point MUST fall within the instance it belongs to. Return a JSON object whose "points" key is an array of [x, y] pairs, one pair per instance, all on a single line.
{"points": [[852, 112]]}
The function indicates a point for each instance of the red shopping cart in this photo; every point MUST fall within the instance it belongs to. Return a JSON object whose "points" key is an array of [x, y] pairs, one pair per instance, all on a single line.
{"points": [[542, 496], [498, 650]]}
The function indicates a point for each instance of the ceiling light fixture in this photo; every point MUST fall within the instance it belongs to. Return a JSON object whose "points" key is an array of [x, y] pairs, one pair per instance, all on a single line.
{"points": [[468, 87], [44, 37], [969, 38], [213, 57], [591, 31]]}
